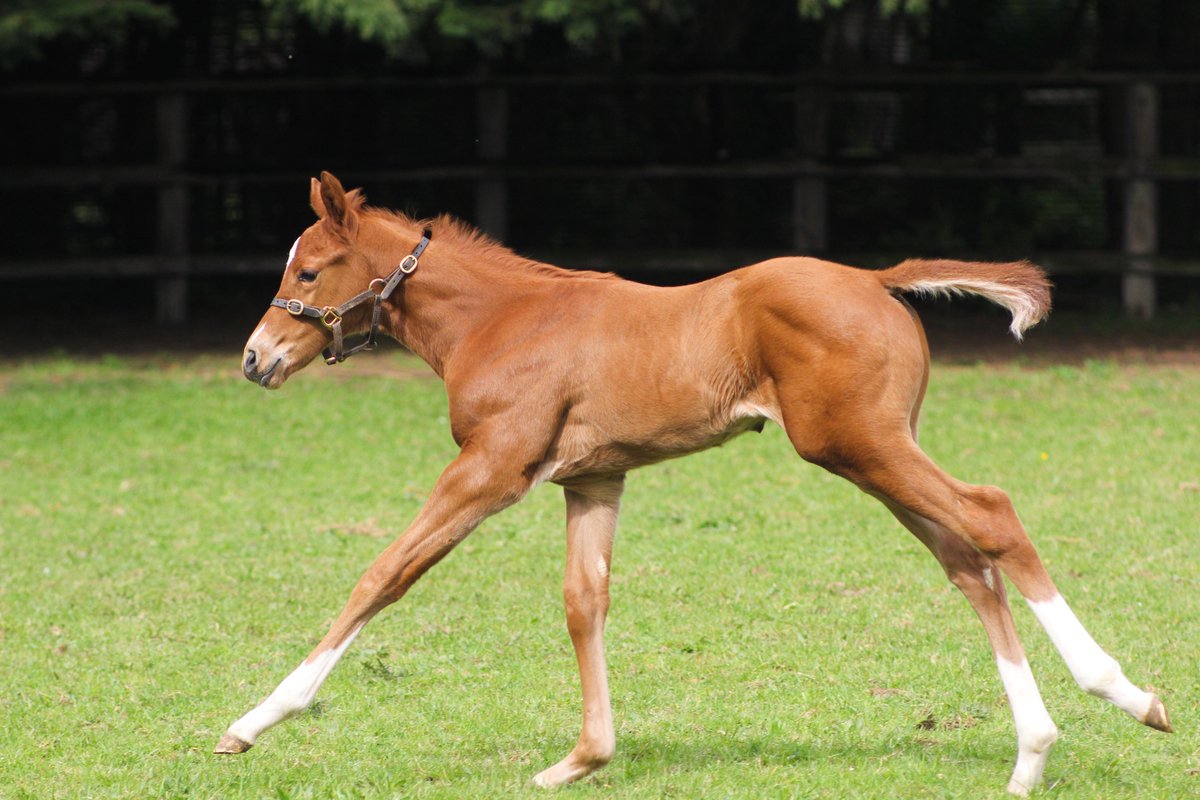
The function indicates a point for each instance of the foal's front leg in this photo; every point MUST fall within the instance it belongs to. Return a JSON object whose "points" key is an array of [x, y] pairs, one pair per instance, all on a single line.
{"points": [[472, 488], [591, 524]]}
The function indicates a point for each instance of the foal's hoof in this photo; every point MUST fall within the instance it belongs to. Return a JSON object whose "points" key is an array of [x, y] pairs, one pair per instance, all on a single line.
{"points": [[564, 772], [232, 745], [1156, 717], [1017, 788]]}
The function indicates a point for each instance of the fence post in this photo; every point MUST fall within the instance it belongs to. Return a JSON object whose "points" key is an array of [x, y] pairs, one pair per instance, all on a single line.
{"points": [[171, 285], [1138, 291], [491, 193], [810, 224]]}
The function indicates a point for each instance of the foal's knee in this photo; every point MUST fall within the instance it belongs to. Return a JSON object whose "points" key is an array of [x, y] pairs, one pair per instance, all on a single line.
{"points": [[378, 585], [586, 603]]}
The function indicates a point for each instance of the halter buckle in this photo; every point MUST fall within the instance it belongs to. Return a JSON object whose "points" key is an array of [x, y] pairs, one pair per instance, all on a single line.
{"points": [[330, 316], [408, 264], [295, 307]]}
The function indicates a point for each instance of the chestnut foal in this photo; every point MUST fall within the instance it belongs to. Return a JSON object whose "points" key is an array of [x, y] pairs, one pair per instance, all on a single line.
{"points": [[579, 377]]}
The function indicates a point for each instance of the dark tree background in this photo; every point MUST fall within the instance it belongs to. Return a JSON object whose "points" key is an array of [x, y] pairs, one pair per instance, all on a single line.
{"points": [[168, 143]]}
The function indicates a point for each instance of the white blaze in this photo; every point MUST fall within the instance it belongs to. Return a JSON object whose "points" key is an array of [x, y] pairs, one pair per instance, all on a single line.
{"points": [[266, 344]]}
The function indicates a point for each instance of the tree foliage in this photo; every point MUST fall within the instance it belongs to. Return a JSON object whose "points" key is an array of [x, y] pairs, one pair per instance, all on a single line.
{"points": [[491, 26], [26, 26], [818, 9]]}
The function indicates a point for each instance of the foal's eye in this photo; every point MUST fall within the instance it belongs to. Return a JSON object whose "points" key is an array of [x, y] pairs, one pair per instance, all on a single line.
{"points": [[307, 276]]}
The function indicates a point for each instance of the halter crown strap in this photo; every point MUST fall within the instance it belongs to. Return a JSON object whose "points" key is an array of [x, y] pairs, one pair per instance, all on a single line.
{"points": [[331, 316]]}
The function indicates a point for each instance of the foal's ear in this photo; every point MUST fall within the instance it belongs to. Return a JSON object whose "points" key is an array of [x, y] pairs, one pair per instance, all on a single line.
{"points": [[339, 206], [314, 198]]}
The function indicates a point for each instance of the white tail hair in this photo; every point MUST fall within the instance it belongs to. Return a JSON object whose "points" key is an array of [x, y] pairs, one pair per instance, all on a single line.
{"points": [[1019, 286]]}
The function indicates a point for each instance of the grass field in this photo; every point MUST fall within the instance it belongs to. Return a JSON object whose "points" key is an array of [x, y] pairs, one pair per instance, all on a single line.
{"points": [[173, 541]]}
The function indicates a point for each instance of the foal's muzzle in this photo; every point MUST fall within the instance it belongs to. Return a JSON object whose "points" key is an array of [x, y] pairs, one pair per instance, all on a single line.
{"points": [[250, 368]]}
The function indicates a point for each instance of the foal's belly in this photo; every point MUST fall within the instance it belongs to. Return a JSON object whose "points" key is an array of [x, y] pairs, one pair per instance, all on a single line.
{"points": [[589, 450]]}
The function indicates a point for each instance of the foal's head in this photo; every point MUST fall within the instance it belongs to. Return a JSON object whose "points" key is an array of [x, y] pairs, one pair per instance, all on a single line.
{"points": [[325, 267]]}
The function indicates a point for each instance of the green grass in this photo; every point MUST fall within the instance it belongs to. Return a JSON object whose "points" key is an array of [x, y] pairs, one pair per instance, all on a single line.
{"points": [[173, 541]]}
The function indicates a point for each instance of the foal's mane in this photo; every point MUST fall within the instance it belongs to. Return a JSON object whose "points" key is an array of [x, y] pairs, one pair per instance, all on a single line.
{"points": [[476, 246]]}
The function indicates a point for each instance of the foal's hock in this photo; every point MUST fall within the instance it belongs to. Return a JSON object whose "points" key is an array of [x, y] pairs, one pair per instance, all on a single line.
{"points": [[578, 377]]}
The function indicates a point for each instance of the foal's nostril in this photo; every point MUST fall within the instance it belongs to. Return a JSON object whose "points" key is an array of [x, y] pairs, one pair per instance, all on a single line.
{"points": [[251, 360]]}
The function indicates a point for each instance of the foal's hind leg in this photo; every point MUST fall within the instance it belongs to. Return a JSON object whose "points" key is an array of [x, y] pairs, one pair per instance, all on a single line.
{"points": [[896, 468], [978, 579]]}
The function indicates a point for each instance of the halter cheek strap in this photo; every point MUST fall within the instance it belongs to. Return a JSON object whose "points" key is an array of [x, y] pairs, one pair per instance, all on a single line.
{"points": [[379, 290]]}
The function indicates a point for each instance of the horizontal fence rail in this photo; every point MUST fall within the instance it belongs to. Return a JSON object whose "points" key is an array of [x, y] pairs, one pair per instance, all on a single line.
{"points": [[492, 169]]}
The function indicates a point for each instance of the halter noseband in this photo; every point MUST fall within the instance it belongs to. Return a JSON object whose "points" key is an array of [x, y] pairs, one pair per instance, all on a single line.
{"points": [[331, 316]]}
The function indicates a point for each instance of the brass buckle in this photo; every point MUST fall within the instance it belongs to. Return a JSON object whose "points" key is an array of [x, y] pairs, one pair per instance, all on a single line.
{"points": [[330, 316], [408, 264], [295, 307]]}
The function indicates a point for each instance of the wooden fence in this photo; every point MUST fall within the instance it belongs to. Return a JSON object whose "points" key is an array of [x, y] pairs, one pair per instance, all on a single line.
{"points": [[1138, 169]]}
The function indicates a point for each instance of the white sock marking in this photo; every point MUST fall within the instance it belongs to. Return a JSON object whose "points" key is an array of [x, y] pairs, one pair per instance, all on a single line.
{"points": [[1036, 732], [292, 696], [1094, 670]]}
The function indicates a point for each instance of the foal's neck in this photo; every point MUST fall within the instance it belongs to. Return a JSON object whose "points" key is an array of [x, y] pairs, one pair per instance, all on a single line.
{"points": [[461, 280]]}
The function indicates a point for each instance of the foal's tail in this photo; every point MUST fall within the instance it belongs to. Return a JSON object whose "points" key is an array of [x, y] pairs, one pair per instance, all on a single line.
{"points": [[1019, 286]]}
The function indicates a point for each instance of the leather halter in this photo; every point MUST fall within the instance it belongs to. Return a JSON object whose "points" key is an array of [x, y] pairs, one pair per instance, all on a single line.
{"points": [[331, 316]]}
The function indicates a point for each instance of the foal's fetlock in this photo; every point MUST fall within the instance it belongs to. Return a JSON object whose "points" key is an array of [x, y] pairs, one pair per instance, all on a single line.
{"points": [[1109, 682], [1040, 742], [1103, 680], [594, 754], [1034, 742]]}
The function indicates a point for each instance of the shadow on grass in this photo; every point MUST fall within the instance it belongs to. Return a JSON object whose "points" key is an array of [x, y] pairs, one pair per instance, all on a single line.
{"points": [[648, 755]]}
